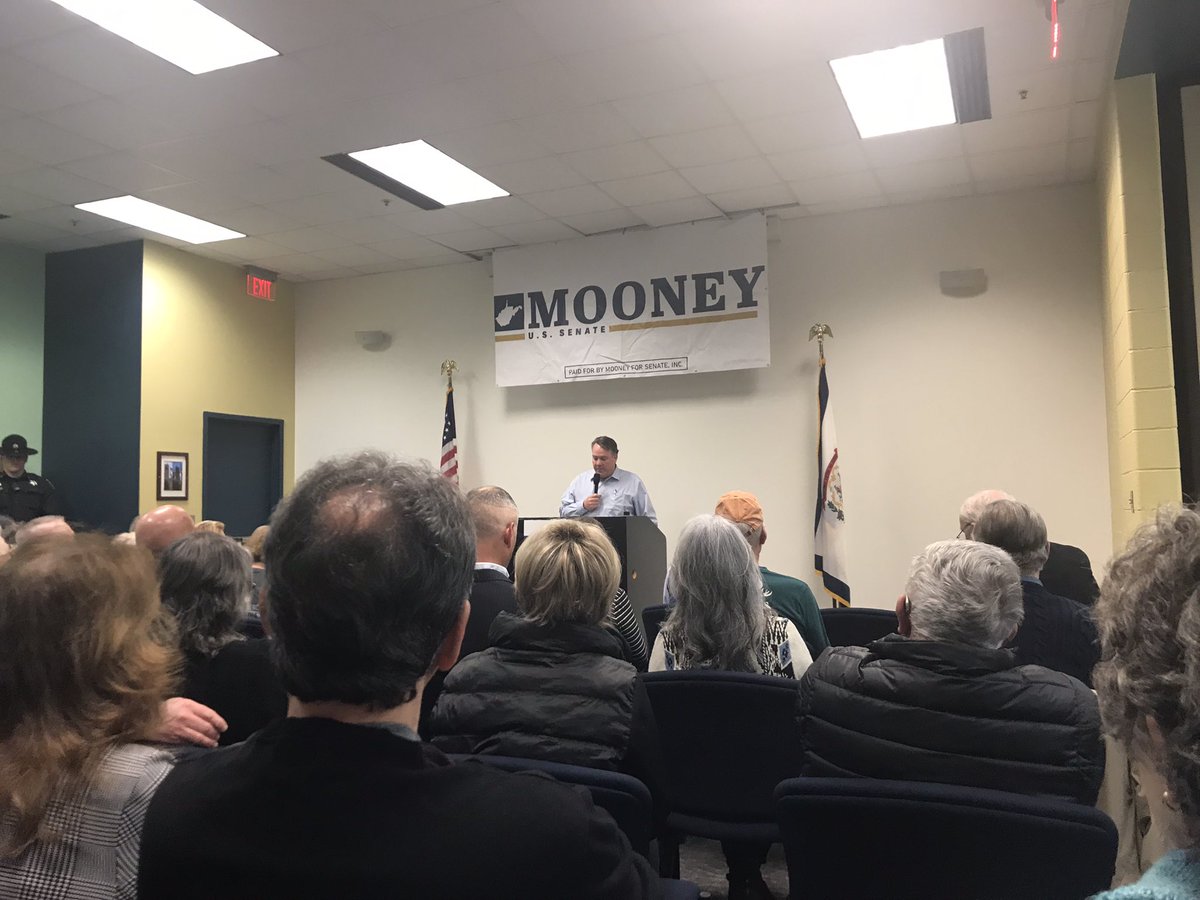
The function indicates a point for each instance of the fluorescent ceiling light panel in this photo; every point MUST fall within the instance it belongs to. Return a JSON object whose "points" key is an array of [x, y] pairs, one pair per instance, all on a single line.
{"points": [[429, 171], [159, 219], [902, 89], [180, 31]]}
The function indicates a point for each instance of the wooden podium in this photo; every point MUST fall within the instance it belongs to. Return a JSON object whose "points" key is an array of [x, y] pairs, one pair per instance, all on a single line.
{"points": [[643, 552]]}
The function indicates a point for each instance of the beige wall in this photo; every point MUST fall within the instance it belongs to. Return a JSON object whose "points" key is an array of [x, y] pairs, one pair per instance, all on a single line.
{"points": [[1139, 368], [208, 347], [935, 397]]}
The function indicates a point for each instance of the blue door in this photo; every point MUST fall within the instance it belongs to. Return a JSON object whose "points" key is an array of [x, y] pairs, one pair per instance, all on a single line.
{"points": [[243, 470]]}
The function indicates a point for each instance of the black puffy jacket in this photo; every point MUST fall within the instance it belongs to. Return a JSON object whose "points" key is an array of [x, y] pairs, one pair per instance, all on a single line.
{"points": [[950, 713], [562, 693]]}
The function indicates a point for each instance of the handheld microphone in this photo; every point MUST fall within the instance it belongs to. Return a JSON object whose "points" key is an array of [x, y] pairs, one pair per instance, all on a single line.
{"points": [[596, 483]]}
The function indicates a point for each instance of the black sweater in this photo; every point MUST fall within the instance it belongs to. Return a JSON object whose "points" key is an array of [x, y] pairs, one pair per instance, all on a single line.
{"points": [[950, 713]]}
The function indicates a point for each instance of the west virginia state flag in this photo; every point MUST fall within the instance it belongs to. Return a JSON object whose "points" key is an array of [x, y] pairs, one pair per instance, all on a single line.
{"points": [[829, 540]]}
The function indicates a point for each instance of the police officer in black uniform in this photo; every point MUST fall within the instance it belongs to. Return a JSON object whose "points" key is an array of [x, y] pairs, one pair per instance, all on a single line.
{"points": [[23, 496]]}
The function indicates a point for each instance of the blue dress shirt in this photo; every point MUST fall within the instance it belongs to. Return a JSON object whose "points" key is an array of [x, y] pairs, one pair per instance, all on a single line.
{"points": [[621, 494]]}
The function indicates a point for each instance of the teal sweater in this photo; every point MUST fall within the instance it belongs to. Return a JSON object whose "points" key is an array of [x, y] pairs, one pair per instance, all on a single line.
{"points": [[1174, 877]]}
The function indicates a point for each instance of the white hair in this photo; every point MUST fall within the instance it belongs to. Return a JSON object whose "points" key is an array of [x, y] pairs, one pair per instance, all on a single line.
{"points": [[1019, 530], [964, 592], [968, 513]]}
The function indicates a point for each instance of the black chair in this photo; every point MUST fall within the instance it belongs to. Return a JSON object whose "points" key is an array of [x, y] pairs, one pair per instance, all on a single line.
{"points": [[873, 839], [728, 739], [622, 796], [857, 626], [652, 619]]}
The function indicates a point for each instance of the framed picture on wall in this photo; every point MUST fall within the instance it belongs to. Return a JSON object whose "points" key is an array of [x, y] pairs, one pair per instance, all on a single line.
{"points": [[172, 476]]}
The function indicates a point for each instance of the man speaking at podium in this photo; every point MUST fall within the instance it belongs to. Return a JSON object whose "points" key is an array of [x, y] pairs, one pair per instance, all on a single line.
{"points": [[606, 490]]}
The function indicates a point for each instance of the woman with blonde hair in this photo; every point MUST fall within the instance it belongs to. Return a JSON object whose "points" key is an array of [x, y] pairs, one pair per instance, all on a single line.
{"points": [[86, 655], [1148, 682], [555, 685]]}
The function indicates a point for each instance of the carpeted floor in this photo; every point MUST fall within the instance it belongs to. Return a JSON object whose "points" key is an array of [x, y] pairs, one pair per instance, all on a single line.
{"points": [[702, 862]]}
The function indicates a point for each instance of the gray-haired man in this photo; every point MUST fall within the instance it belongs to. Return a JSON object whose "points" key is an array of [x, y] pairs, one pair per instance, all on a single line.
{"points": [[942, 701]]}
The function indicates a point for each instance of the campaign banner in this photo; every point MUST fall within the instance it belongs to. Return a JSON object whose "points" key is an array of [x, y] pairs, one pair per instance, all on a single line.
{"points": [[667, 301]]}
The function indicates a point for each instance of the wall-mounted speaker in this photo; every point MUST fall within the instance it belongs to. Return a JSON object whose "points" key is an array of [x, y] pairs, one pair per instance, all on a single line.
{"points": [[373, 341], [963, 282]]}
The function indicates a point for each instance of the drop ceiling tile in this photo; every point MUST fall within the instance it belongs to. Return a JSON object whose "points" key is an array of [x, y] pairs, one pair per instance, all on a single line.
{"points": [[837, 159], [24, 231], [572, 201], [1029, 129], [602, 220], [563, 131], [925, 195], [501, 142], [306, 240], [1044, 89], [741, 174], [646, 189], [73, 221], [48, 144], [191, 107], [250, 248], [297, 264], [838, 188], [685, 109], [790, 212], [914, 146], [618, 161], [411, 246], [725, 143], [763, 197], [499, 211], [433, 221], [531, 90], [288, 25], [748, 43], [355, 257], [802, 129], [21, 22], [67, 243], [194, 158], [804, 84], [195, 198], [393, 265], [62, 186], [257, 220], [15, 162], [372, 230], [1050, 160], [97, 58], [1091, 79], [1016, 183], [549, 173], [450, 258], [539, 232], [633, 69], [839, 206], [335, 206], [1084, 120], [1081, 157], [474, 240], [580, 27], [124, 172], [115, 124], [923, 175], [330, 273], [1100, 30], [673, 212], [13, 200], [30, 88]]}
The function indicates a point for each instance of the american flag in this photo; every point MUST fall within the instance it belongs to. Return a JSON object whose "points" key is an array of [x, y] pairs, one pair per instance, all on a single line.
{"points": [[450, 440]]}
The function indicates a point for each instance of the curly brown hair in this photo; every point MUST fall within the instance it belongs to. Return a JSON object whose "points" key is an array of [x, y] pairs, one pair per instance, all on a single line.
{"points": [[1149, 620], [87, 655]]}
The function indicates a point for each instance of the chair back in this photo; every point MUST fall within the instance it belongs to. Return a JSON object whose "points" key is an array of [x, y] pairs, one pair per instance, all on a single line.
{"points": [[931, 841], [857, 626], [728, 738], [625, 798], [652, 619]]}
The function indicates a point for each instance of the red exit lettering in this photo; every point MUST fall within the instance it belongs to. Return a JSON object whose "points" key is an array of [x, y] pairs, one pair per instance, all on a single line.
{"points": [[260, 287]]}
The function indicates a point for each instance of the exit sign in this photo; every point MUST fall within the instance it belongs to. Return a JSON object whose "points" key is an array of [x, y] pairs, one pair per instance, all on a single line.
{"points": [[262, 288]]}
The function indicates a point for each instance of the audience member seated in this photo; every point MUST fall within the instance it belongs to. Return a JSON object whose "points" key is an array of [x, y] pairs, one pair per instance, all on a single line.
{"points": [[790, 597], [623, 619], [1067, 572], [205, 582], [258, 571], [494, 514], [85, 660], [1056, 632], [158, 529], [718, 618], [210, 526], [942, 701], [719, 621], [370, 564], [555, 685], [41, 528], [1148, 681]]}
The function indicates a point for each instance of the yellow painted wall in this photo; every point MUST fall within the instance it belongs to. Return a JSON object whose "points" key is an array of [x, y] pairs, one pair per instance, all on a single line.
{"points": [[208, 347], [1143, 440]]}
